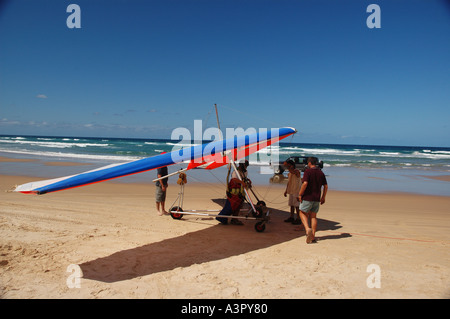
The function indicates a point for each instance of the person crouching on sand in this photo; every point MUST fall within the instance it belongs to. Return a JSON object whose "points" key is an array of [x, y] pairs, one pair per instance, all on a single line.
{"points": [[311, 196]]}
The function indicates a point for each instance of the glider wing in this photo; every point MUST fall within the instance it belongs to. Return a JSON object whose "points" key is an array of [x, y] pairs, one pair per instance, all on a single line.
{"points": [[210, 155]]}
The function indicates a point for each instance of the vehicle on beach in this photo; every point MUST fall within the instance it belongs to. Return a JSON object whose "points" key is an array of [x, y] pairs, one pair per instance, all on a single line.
{"points": [[301, 163]]}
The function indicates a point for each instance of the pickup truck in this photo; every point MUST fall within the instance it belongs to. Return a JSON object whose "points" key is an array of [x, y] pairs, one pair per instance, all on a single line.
{"points": [[301, 163]]}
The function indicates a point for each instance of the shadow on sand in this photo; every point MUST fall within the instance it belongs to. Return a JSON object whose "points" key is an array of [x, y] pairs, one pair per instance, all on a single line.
{"points": [[213, 243]]}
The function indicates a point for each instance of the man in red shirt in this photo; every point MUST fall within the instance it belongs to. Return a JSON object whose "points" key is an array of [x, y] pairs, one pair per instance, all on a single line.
{"points": [[311, 196]]}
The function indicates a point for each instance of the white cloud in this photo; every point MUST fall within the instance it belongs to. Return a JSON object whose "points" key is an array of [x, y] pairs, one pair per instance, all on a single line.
{"points": [[41, 96]]}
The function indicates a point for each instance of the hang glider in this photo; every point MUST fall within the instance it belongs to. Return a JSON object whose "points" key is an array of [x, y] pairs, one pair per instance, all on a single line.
{"points": [[208, 155]]}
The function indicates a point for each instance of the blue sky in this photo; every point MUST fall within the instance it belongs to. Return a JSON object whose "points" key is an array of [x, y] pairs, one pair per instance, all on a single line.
{"points": [[143, 68]]}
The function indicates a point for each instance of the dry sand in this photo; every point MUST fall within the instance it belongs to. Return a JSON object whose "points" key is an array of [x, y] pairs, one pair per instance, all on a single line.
{"points": [[125, 250]]}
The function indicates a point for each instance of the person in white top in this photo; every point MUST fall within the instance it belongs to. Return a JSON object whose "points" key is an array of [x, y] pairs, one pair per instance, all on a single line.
{"points": [[242, 168], [292, 189]]}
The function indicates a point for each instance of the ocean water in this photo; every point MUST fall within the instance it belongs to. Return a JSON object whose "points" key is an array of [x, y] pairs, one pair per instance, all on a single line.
{"points": [[349, 167]]}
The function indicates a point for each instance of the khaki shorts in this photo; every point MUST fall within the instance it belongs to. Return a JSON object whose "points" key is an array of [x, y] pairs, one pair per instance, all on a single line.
{"points": [[293, 201], [160, 195]]}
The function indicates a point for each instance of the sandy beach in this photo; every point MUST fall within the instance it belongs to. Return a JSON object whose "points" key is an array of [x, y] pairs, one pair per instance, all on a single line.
{"points": [[107, 241]]}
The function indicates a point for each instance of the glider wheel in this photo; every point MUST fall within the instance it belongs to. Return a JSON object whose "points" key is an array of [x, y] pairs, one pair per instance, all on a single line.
{"points": [[258, 213], [259, 209], [260, 227], [261, 202], [175, 212]]}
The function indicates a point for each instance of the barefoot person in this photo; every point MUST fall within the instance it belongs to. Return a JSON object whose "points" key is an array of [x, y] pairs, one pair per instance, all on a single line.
{"points": [[292, 189], [311, 196], [161, 188]]}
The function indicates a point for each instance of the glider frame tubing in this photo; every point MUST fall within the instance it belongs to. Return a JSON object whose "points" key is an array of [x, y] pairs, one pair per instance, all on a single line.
{"points": [[257, 211]]}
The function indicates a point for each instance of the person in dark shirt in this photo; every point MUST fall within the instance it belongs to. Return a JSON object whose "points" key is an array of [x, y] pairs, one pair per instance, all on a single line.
{"points": [[311, 197], [161, 188]]}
